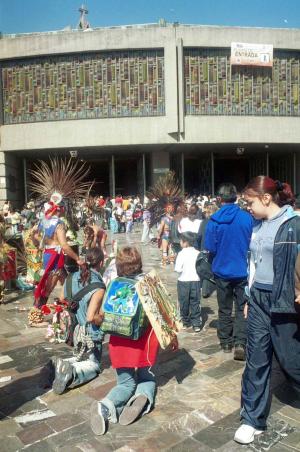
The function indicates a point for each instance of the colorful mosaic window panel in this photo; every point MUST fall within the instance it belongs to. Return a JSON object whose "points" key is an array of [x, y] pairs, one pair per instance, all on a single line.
{"points": [[213, 87], [99, 85]]}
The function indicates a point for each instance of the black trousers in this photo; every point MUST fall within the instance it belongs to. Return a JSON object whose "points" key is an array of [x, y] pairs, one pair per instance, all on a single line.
{"points": [[189, 293], [231, 293]]}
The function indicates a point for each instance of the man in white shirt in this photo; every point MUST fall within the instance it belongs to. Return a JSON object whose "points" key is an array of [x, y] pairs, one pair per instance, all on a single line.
{"points": [[191, 223]]}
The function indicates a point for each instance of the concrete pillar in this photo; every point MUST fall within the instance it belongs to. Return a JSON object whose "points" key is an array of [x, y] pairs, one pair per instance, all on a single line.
{"points": [[25, 180], [141, 175], [212, 174], [11, 179], [171, 91], [181, 97], [160, 164], [182, 173], [112, 177]]}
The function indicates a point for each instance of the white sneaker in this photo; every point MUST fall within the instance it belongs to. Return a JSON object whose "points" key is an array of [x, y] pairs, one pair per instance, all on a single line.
{"points": [[99, 418], [245, 434]]}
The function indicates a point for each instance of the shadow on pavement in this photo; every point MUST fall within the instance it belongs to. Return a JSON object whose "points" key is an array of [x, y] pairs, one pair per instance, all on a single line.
{"points": [[19, 393], [288, 394], [176, 365]]}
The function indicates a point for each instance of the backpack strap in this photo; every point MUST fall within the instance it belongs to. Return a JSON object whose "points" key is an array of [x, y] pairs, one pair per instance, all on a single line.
{"points": [[298, 230], [89, 288], [69, 286], [85, 290]]}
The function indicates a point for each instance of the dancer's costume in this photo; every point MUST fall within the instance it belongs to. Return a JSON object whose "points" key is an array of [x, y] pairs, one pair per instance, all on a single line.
{"points": [[63, 182], [166, 192], [7, 261], [165, 197], [53, 256], [33, 258]]}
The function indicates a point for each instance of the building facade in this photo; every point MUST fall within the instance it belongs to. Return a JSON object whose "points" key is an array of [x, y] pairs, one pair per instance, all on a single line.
{"points": [[137, 101]]}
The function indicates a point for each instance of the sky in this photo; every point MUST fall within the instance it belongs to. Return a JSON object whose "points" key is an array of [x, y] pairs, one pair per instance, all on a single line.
{"points": [[26, 16]]}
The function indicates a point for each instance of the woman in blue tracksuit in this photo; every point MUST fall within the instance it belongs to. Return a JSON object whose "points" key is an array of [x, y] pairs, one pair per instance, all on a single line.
{"points": [[272, 311]]}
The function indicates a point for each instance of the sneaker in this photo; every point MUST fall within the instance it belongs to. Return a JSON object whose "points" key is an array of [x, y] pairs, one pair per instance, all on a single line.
{"points": [[197, 329], [226, 348], [245, 434], [63, 376], [239, 352], [132, 412], [99, 418]]}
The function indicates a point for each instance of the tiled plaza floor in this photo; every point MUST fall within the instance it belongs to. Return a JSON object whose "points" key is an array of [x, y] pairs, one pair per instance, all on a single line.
{"points": [[197, 404]]}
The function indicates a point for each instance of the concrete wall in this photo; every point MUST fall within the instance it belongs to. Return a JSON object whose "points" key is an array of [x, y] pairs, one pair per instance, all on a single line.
{"points": [[174, 127], [94, 133], [85, 133], [143, 37], [241, 129]]}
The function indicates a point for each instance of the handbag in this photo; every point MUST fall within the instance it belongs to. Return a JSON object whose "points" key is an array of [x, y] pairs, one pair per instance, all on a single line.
{"points": [[124, 315], [203, 266]]}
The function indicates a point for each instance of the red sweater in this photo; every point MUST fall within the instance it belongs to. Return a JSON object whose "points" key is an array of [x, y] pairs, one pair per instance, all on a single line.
{"points": [[130, 353]]}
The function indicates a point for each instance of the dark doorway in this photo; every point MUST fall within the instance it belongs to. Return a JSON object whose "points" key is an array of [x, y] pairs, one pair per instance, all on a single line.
{"points": [[99, 173], [126, 175], [197, 174], [191, 176], [234, 170]]}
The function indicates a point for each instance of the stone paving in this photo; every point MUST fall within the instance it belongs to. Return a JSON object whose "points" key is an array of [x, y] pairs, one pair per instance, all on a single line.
{"points": [[197, 404]]}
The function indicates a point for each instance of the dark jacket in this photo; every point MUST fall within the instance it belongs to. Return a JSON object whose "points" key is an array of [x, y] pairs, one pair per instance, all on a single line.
{"points": [[286, 267], [227, 238], [201, 235]]}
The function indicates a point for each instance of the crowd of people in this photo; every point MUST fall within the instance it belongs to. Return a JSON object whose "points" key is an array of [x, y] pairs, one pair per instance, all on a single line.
{"points": [[244, 246]]}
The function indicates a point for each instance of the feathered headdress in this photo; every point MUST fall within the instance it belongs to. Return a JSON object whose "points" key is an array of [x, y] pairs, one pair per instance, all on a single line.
{"points": [[165, 192], [59, 184], [61, 177]]}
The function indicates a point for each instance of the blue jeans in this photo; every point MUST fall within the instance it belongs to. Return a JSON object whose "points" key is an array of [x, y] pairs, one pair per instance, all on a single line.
{"points": [[145, 234], [130, 383], [87, 370], [113, 225], [129, 226]]}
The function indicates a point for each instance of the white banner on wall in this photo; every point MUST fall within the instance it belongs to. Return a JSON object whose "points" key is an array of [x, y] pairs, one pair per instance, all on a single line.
{"points": [[245, 54]]}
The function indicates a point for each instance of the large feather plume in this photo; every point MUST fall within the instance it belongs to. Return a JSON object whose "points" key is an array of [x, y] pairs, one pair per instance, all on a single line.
{"points": [[166, 190], [68, 177]]}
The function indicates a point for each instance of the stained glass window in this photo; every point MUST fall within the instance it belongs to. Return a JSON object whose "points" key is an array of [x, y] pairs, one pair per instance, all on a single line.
{"points": [[213, 87], [98, 85]]}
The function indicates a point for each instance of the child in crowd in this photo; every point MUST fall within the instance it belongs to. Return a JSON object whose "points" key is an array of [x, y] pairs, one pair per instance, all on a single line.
{"points": [[188, 285], [129, 218], [133, 359], [114, 225]]}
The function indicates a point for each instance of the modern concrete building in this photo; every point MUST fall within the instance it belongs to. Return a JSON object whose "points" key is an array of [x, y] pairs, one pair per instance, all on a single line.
{"points": [[136, 101]]}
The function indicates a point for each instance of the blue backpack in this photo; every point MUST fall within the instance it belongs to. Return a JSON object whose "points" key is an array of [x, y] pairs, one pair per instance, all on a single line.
{"points": [[124, 315]]}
